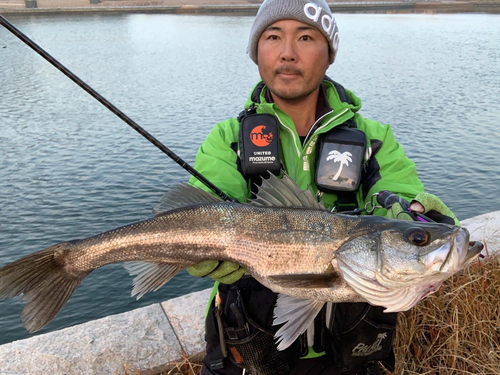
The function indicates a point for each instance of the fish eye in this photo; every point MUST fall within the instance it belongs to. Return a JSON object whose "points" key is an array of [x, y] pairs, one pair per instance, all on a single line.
{"points": [[417, 236]]}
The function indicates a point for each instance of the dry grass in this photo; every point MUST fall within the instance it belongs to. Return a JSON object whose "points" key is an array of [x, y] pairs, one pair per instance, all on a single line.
{"points": [[454, 331], [186, 367]]}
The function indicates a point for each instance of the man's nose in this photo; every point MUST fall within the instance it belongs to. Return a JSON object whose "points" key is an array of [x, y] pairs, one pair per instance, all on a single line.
{"points": [[289, 53]]}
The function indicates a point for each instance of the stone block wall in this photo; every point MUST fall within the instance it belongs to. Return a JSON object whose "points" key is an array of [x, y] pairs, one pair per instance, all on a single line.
{"points": [[62, 3]]}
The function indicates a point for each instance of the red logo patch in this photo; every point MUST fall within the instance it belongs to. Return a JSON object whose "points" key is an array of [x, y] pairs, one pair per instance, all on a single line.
{"points": [[259, 138]]}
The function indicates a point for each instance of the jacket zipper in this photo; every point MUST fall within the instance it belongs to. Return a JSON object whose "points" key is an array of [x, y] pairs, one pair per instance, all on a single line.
{"points": [[329, 121], [291, 132], [315, 125], [312, 127]]}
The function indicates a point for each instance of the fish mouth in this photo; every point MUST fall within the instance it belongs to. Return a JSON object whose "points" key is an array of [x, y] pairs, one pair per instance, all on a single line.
{"points": [[475, 248], [466, 250]]}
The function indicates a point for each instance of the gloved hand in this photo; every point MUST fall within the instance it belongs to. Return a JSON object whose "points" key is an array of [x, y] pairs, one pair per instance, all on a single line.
{"points": [[427, 204], [433, 208], [224, 272]]}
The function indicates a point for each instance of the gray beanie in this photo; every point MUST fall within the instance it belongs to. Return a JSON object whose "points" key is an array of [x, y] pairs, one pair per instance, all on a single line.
{"points": [[312, 12]]}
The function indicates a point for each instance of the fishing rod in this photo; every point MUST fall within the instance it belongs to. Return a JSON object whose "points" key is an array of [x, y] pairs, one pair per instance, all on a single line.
{"points": [[9, 26]]}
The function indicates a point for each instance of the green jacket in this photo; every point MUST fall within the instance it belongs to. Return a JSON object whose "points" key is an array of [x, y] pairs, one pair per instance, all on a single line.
{"points": [[388, 166]]}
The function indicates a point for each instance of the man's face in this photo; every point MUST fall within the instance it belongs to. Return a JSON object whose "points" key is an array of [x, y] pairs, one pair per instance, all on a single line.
{"points": [[292, 59]]}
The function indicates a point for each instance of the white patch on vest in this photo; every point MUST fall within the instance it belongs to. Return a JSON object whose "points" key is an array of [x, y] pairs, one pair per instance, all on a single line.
{"points": [[343, 158], [305, 164], [363, 350], [368, 153]]}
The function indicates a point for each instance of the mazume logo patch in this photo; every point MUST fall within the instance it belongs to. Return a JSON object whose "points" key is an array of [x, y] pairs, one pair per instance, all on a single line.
{"points": [[259, 137]]}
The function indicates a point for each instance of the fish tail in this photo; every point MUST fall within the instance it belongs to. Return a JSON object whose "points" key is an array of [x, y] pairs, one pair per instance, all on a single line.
{"points": [[45, 283]]}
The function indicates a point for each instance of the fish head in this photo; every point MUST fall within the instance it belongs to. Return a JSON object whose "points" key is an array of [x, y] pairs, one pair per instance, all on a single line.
{"points": [[396, 263]]}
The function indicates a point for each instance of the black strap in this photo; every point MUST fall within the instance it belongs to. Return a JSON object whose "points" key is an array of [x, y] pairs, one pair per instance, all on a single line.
{"points": [[256, 93], [340, 91], [320, 331], [212, 337], [346, 201]]}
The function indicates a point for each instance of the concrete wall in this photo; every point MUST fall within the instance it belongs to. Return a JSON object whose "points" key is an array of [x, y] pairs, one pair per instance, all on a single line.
{"points": [[12, 4], [62, 3], [145, 340]]}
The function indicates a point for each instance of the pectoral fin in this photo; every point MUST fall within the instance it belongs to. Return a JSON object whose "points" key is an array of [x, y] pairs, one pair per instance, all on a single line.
{"points": [[297, 314]]}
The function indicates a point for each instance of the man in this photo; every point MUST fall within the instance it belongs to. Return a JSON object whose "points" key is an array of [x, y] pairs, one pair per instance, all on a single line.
{"points": [[293, 42]]}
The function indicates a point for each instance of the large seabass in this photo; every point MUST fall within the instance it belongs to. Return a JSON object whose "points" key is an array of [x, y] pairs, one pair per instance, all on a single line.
{"points": [[283, 238]]}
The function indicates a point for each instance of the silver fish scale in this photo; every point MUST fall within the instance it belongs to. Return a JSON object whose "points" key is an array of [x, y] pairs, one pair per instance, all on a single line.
{"points": [[266, 241]]}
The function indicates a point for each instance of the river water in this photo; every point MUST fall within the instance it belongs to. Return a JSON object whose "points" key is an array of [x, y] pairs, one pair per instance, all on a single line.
{"points": [[70, 169]]}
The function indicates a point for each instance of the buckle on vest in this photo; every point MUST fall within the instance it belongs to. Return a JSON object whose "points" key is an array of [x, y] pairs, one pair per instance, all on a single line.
{"points": [[217, 364]]}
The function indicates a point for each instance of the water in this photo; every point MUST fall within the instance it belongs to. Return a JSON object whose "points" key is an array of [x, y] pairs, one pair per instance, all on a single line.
{"points": [[70, 169]]}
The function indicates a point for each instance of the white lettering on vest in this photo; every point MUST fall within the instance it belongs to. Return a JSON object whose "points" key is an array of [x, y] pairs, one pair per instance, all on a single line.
{"points": [[363, 350]]}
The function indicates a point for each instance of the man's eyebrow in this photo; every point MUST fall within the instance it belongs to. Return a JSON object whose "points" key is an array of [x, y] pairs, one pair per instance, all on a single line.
{"points": [[273, 28], [305, 28], [300, 28]]}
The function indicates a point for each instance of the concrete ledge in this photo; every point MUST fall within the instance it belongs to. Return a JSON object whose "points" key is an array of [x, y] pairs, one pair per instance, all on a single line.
{"points": [[145, 340], [136, 341], [186, 314], [485, 228], [132, 341]]}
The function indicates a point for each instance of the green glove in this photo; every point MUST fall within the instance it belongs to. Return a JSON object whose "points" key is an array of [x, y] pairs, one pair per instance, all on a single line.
{"points": [[223, 272], [435, 209], [427, 204], [397, 212]]}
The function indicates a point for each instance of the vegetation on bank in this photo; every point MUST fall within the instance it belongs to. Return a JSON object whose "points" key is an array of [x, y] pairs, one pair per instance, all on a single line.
{"points": [[454, 331]]}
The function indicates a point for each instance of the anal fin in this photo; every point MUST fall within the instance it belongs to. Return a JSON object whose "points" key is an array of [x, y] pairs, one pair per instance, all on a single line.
{"points": [[149, 277]]}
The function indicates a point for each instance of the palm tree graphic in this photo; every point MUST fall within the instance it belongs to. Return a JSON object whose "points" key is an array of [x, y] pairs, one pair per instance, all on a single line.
{"points": [[342, 158]]}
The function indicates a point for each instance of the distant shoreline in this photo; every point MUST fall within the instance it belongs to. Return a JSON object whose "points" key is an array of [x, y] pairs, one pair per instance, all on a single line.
{"points": [[251, 9]]}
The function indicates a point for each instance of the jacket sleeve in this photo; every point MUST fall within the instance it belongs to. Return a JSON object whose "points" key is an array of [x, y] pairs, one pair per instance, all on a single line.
{"points": [[217, 161], [388, 167]]}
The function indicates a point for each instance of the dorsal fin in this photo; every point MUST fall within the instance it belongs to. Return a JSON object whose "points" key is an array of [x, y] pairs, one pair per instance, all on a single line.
{"points": [[274, 192], [183, 195], [284, 192]]}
